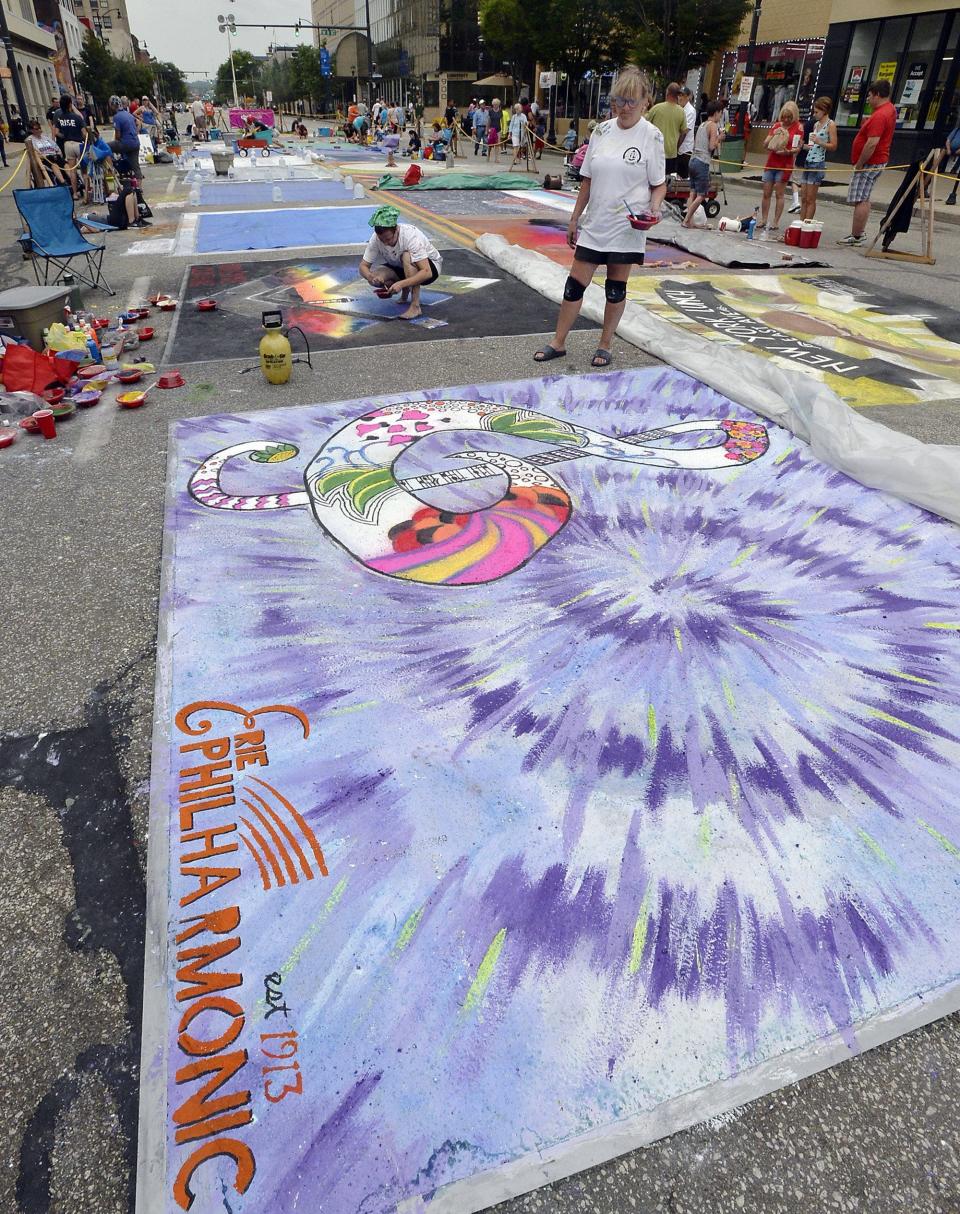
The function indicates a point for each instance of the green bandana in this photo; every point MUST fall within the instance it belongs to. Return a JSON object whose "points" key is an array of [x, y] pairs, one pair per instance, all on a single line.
{"points": [[385, 217]]}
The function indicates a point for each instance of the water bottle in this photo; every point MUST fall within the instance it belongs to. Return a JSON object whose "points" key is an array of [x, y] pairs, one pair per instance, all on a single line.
{"points": [[751, 227], [277, 194]]}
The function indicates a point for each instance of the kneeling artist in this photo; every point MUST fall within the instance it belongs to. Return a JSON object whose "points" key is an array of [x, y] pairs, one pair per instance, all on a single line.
{"points": [[399, 259]]}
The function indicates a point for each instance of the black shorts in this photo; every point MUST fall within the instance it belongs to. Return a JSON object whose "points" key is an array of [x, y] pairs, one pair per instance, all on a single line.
{"points": [[671, 164], [582, 253], [434, 273]]}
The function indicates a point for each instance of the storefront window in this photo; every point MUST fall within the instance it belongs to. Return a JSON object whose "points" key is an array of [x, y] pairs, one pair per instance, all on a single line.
{"points": [[939, 98], [782, 71], [856, 73], [916, 67]]}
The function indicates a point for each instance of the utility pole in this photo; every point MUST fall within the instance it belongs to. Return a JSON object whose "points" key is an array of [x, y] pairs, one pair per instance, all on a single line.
{"points": [[227, 25], [371, 66], [12, 65]]}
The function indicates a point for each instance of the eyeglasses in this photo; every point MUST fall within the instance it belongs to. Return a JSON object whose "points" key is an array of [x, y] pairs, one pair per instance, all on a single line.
{"points": [[625, 102]]}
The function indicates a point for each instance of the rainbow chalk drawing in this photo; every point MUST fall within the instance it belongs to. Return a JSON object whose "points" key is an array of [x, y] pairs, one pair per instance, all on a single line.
{"points": [[575, 758]]}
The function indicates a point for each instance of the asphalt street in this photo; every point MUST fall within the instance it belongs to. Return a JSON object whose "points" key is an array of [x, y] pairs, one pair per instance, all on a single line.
{"points": [[83, 523]]}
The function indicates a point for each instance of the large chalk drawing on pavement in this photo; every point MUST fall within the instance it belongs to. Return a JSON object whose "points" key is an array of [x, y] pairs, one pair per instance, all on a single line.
{"points": [[869, 348], [478, 857], [361, 502]]}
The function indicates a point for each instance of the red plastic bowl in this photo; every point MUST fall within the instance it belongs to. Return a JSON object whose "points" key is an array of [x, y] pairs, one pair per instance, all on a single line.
{"points": [[172, 379], [145, 333], [644, 221], [53, 396], [129, 377], [206, 305]]}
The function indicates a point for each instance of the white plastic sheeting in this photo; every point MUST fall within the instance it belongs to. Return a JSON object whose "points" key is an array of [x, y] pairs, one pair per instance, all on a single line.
{"points": [[731, 249], [926, 474]]}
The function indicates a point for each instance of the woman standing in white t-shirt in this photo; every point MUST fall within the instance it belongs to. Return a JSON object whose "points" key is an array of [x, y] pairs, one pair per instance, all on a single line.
{"points": [[623, 171]]}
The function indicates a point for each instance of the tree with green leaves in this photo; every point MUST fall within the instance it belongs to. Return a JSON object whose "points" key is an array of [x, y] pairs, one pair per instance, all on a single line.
{"points": [[511, 31], [132, 79], [305, 73], [577, 36], [572, 36], [670, 37], [248, 69], [277, 76], [96, 70], [171, 82]]}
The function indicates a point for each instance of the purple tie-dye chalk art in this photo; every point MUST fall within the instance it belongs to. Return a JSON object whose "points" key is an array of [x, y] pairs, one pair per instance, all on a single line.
{"points": [[539, 768]]}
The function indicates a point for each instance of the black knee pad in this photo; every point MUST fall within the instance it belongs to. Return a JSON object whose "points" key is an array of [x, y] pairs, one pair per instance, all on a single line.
{"points": [[573, 290], [616, 292]]}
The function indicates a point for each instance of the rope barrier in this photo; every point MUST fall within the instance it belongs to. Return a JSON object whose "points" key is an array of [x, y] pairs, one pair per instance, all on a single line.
{"points": [[830, 167], [13, 175], [741, 164]]}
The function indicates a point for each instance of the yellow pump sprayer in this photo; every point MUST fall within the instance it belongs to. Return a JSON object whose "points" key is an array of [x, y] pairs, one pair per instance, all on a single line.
{"points": [[276, 355]]}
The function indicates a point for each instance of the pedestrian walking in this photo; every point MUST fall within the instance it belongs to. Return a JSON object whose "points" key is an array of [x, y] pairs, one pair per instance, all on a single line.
{"points": [[668, 117], [624, 174], [481, 122], [782, 143], [493, 134], [685, 149], [706, 143], [198, 112], [71, 129], [518, 134], [822, 139], [869, 156]]}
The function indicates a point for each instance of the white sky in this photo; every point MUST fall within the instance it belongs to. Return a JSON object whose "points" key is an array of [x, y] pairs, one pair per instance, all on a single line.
{"points": [[185, 31]]}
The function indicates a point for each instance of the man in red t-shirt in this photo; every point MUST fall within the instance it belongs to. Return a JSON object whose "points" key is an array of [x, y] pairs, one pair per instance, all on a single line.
{"points": [[871, 151]]}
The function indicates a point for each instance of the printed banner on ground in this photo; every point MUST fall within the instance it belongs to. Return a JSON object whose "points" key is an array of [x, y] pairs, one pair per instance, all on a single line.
{"points": [[868, 348]]}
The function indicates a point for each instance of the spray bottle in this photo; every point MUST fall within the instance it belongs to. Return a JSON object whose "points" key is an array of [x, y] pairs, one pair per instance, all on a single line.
{"points": [[276, 357]]}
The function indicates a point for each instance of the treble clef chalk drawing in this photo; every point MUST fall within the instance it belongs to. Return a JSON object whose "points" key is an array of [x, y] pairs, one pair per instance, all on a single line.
{"points": [[378, 517]]}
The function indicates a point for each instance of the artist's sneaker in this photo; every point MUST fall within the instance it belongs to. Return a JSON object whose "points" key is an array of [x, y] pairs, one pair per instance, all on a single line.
{"points": [[853, 240], [794, 209]]}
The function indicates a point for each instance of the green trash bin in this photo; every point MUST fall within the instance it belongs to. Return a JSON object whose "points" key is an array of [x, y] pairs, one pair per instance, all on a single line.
{"points": [[731, 154]]}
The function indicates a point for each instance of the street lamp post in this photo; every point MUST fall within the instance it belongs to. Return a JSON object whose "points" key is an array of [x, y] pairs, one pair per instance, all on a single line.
{"points": [[227, 25]]}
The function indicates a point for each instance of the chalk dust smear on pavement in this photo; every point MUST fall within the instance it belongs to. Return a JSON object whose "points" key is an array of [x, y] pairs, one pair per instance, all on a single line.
{"points": [[538, 767], [339, 310]]}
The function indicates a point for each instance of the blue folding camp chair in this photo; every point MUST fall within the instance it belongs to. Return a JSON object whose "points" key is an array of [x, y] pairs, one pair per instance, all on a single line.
{"points": [[53, 236]]}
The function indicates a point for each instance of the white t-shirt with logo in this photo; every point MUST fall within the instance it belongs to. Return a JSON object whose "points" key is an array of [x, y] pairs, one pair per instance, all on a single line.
{"points": [[623, 167], [686, 145], [409, 240]]}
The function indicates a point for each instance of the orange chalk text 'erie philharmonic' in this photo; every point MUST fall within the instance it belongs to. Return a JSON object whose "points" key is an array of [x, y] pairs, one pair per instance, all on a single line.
{"points": [[207, 1119]]}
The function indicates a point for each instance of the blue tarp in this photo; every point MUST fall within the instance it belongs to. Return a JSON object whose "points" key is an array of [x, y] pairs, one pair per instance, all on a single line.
{"points": [[228, 231], [220, 194]]}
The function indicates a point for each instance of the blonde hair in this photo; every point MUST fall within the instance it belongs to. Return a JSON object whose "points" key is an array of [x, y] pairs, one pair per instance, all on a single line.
{"points": [[789, 113], [631, 82]]}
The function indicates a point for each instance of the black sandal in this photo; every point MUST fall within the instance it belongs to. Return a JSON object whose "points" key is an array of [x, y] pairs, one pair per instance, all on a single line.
{"points": [[604, 356], [548, 354]]}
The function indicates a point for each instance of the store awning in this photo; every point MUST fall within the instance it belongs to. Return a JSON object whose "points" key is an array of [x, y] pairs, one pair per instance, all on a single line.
{"points": [[495, 82]]}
